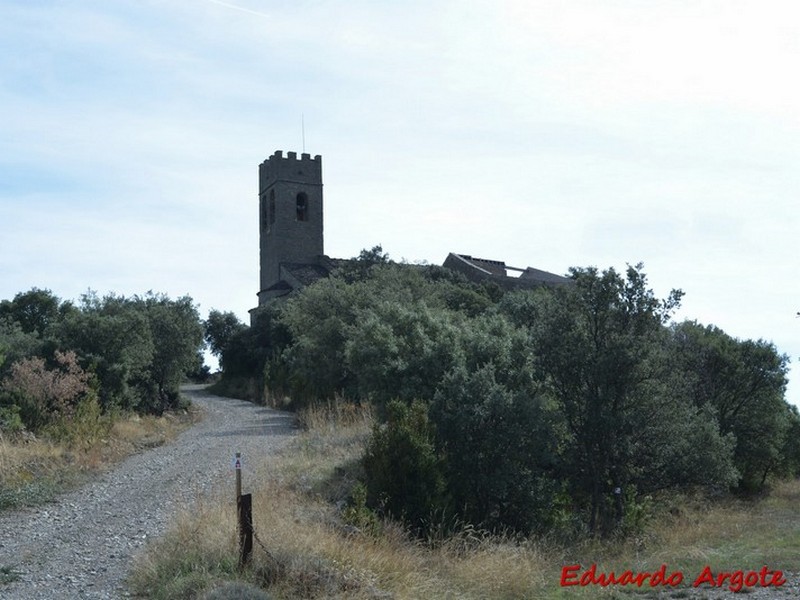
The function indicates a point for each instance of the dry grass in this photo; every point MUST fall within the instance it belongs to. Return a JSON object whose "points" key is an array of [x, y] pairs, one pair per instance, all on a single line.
{"points": [[200, 550], [138, 433], [688, 533], [310, 552], [32, 472], [735, 534], [35, 470]]}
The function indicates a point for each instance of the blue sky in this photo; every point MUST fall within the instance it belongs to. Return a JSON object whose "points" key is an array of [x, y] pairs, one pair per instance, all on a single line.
{"points": [[542, 133]]}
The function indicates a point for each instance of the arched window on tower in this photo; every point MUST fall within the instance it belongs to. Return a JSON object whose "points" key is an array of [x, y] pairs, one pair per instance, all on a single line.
{"points": [[272, 207], [302, 207]]}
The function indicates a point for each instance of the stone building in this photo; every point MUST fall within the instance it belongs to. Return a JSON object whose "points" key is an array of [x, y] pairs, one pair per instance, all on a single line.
{"points": [[290, 224], [291, 234]]}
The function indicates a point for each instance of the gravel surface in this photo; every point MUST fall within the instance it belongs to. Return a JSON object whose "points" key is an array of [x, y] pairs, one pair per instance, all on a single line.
{"points": [[81, 546]]}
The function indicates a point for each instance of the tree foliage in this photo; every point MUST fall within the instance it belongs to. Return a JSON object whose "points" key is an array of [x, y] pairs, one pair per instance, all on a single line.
{"points": [[136, 349], [525, 406], [597, 347], [499, 451], [400, 351], [359, 267], [743, 382], [114, 340], [219, 329], [34, 311], [177, 335]]}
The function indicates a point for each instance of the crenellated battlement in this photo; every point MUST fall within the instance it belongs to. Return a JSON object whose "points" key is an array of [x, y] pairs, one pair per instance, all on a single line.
{"points": [[289, 168], [292, 156]]}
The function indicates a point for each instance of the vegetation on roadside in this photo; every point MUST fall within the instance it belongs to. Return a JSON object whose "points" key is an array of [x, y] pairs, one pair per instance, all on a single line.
{"points": [[35, 470], [317, 539], [83, 385]]}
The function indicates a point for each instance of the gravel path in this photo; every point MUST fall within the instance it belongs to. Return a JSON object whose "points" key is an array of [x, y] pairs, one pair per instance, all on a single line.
{"points": [[82, 545]]}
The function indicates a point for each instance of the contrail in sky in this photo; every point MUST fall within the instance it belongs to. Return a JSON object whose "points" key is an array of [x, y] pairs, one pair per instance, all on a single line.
{"points": [[241, 8]]}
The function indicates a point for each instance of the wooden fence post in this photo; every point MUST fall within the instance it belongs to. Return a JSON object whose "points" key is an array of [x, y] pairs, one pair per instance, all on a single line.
{"points": [[245, 529]]}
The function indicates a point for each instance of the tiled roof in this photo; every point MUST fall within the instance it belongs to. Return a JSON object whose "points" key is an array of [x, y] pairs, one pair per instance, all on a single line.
{"points": [[306, 274], [538, 275], [482, 269], [281, 285]]}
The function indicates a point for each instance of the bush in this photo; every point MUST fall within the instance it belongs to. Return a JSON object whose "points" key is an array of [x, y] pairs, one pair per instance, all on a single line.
{"points": [[498, 449], [10, 419], [358, 514], [403, 472], [46, 395], [85, 427]]}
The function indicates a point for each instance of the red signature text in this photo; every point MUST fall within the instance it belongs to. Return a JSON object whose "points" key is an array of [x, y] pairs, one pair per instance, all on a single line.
{"points": [[734, 580]]}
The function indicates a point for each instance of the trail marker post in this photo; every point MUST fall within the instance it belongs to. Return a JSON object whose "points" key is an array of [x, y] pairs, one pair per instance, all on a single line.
{"points": [[238, 466], [244, 510]]}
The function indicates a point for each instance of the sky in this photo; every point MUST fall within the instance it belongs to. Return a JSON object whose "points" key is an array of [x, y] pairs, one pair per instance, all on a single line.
{"points": [[543, 133]]}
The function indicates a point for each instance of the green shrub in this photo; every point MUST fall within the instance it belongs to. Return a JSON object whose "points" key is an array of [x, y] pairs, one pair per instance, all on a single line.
{"points": [[85, 427], [10, 420], [403, 472], [498, 449], [358, 514]]}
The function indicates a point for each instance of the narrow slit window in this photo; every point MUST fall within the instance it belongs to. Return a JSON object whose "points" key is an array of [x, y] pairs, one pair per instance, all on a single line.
{"points": [[302, 207], [271, 207]]}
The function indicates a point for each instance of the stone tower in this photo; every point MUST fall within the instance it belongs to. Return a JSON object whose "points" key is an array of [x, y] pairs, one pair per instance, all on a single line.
{"points": [[290, 218]]}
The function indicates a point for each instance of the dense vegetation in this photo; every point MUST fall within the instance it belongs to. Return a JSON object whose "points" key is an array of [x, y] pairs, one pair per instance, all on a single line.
{"points": [[523, 411], [64, 367]]}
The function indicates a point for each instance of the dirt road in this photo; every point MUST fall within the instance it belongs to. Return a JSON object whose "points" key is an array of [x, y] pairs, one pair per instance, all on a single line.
{"points": [[82, 545]]}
